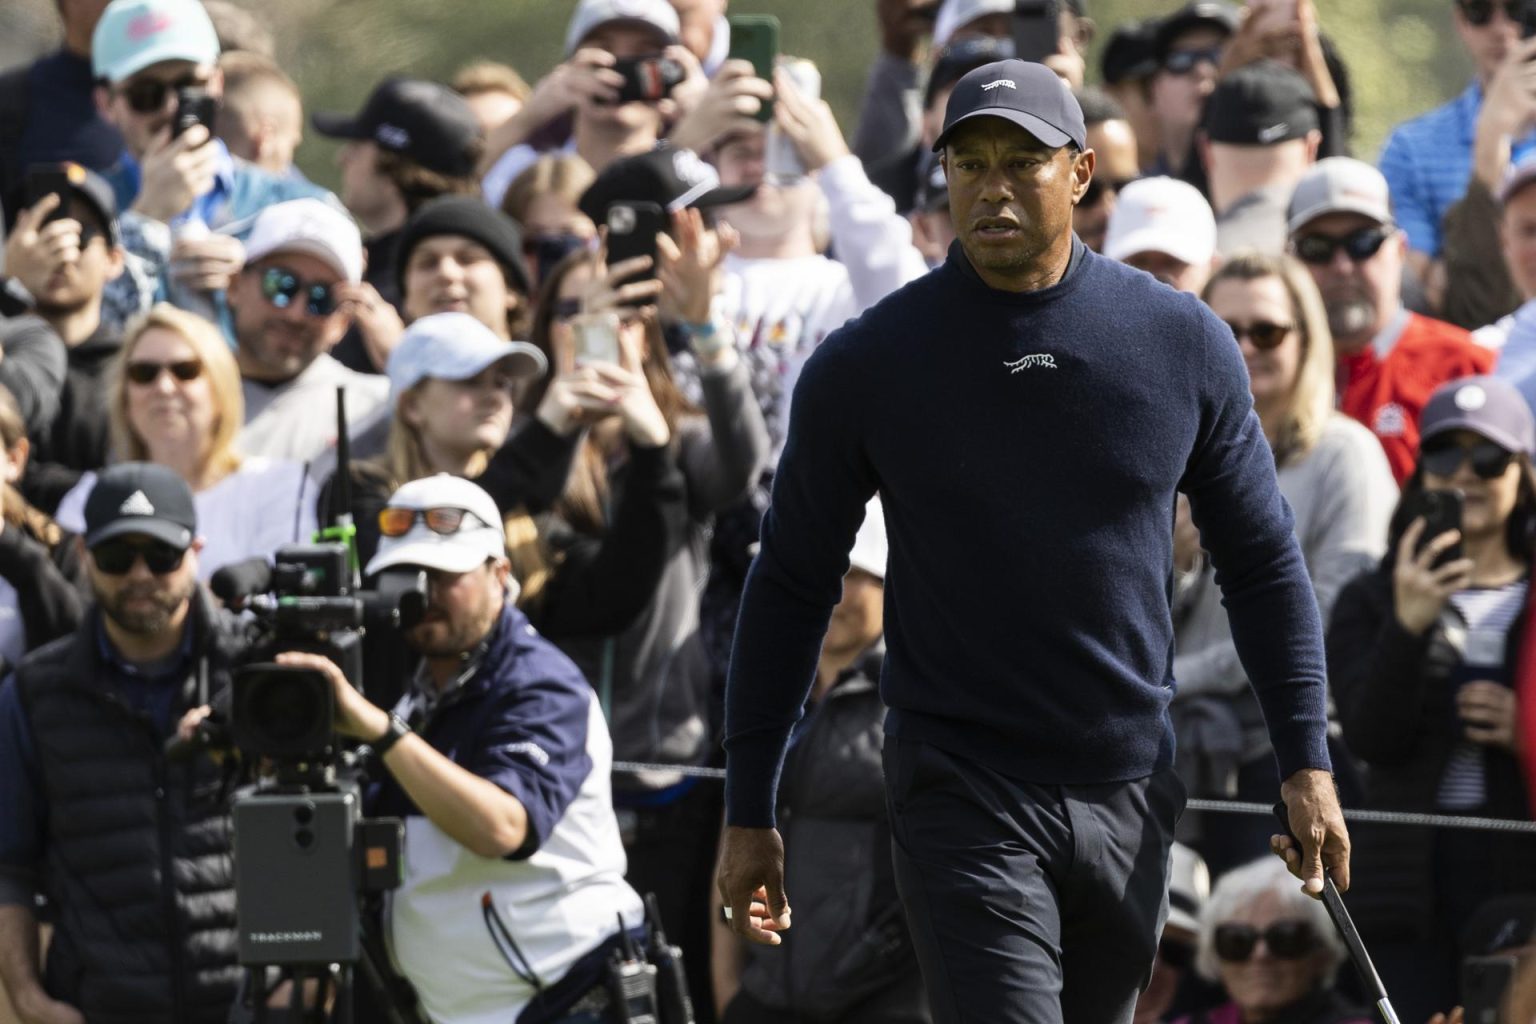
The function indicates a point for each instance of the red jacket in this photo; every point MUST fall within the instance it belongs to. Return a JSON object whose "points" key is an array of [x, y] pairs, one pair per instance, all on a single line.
{"points": [[1387, 390]]}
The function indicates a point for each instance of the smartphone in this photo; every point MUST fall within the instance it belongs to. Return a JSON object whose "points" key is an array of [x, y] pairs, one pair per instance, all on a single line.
{"points": [[43, 181], [1036, 29], [193, 106], [632, 230], [1484, 982], [597, 337], [1441, 511], [755, 38], [648, 79], [781, 160]]}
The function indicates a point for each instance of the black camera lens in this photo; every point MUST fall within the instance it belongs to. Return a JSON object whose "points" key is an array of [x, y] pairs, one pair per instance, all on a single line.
{"points": [[287, 706]]}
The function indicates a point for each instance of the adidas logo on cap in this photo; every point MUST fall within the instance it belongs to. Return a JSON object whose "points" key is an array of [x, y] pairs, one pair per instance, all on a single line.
{"points": [[136, 504]]}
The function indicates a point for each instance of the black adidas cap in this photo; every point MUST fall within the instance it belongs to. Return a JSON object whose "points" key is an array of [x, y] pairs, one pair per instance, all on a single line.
{"points": [[140, 497], [1027, 94]]}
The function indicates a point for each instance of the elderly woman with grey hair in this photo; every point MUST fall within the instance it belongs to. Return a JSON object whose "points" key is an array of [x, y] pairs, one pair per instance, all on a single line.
{"points": [[1273, 949]]}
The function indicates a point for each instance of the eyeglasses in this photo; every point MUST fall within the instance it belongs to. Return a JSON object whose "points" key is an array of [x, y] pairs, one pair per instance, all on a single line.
{"points": [[397, 522], [1264, 334], [1480, 12], [1178, 955], [1286, 940], [1489, 459], [1359, 246], [147, 371], [281, 286], [1098, 188], [566, 309], [147, 95], [1182, 62], [116, 557]]}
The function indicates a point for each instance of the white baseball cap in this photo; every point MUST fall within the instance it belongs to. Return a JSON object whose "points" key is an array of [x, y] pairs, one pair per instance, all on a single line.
{"points": [[455, 346], [312, 227], [134, 34], [475, 542], [658, 14], [956, 14], [1161, 215], [1339, 184], [1189, 886], [871, 550]]}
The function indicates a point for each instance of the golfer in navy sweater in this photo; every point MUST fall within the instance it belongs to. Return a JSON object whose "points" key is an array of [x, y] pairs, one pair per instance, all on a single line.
{"points": [[1027, 413]]}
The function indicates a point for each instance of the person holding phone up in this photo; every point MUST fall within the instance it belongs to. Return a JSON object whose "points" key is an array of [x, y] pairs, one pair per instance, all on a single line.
{"points": [[1428, 659]]}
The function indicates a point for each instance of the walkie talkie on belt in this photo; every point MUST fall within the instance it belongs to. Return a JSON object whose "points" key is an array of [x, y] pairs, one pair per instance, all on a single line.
{"points": [[631, 984], [671, 978]]}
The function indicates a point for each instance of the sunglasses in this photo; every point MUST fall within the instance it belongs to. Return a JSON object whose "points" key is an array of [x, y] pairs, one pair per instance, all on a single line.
{"points": [[397, 522], [1098, 188], [1286, 940], [1489, 460], [1182, 62], [1262, 333], [1359, 246], [116, 557], [1480, 12], [147, 95], [567, 309], [281, 287], [147, 371]]}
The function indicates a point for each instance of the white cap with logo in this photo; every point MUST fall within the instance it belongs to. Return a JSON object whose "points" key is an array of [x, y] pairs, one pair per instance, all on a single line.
{"points": [[1161, 215], [871, 549], [312, 227], [1339, 184], [658, 14], [455, 346], [475, 542]]}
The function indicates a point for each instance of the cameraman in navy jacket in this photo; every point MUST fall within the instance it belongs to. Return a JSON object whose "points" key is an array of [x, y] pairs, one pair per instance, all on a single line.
{"points": [[498, 759]]}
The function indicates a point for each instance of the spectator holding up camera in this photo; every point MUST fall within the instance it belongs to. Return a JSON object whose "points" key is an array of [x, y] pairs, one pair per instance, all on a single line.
{"points": [[177, 190], [603, 38]]}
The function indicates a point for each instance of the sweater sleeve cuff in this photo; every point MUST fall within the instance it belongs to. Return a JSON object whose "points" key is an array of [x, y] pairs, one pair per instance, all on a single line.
{"points": [[752, 781], [1303, 745]]}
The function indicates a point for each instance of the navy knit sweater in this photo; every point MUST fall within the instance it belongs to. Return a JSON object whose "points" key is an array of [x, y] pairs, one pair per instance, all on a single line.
{"points": [[1027, 448]]}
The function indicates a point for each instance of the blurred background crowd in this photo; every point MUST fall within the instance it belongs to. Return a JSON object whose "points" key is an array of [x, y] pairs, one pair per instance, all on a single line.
{"points": [[578, 251]]}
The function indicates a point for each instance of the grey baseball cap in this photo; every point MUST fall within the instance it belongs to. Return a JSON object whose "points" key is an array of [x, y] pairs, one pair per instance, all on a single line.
{"points": [[1489, 406], [1339, 184]]}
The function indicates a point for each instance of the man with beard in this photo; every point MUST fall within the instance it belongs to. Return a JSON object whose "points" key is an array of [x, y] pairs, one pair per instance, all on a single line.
{"points": [[1390, 360], [498, 759], [290, 305], [131, 848], [1061, 400]]}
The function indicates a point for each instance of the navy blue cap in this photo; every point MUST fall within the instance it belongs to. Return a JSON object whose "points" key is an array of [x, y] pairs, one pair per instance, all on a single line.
{"points": [[1022, 92]]}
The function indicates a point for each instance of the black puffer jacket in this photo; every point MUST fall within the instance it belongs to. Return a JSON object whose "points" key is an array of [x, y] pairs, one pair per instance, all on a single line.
{"points": [[137, 857], [1397, 709], [850, 942]]}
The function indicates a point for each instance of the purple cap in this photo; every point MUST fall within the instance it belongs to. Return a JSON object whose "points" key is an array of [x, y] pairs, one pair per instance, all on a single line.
{"points": [[1489, 406]]}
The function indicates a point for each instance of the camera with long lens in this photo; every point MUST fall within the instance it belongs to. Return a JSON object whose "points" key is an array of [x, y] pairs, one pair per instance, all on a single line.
{"points": [[304, 854]]}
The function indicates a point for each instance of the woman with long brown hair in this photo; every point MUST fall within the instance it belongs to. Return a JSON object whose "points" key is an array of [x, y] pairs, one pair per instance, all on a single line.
{"points": [[40, 571]]}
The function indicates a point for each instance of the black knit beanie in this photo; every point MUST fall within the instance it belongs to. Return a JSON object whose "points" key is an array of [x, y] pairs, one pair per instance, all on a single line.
{"points": [[471, 218]]}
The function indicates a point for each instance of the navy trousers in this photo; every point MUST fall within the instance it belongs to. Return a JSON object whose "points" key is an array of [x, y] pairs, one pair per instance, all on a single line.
{"points": [[1029, 904]]}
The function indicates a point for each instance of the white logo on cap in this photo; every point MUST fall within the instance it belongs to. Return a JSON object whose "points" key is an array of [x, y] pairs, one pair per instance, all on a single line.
{"points": [[1273, 132], [136, 504], [1391, 421], [1471, 398], [1001, 81], [392, 136]]}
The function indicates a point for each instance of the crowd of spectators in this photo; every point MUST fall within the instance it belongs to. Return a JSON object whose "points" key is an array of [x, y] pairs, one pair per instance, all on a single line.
{"points": [[578, 451]]}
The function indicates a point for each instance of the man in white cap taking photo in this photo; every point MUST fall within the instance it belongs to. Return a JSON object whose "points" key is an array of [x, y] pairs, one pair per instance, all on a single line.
{"points": [[289, 307], [498, 759]]}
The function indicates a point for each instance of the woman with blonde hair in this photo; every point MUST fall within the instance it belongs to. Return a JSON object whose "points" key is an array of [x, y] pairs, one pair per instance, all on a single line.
{"points": [[1334, 475], [41, 577], [175, 399]]}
